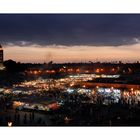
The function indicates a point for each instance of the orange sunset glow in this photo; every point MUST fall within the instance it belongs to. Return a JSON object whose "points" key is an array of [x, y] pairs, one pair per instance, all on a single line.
{"points": [[60, 54]]}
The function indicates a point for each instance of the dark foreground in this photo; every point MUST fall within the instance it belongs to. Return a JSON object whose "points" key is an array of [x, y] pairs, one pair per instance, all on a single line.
{"points": [[72, 114]]}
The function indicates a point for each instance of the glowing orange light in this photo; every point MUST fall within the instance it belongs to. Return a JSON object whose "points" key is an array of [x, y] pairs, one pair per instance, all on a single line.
{"points": [[87, 71], [77, 70], [131, 89], [102, 69], [97, 86], [84, 86], [71, 85], [35, 72], [113, 69], [97, 70], [9, 124]]}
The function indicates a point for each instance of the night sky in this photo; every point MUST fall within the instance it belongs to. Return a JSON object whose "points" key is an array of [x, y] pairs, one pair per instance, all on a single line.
{"points": [[70, 37]]}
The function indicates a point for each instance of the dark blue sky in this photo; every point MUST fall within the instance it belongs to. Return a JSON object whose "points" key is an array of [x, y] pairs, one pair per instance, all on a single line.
{"points": [[70, 29]]}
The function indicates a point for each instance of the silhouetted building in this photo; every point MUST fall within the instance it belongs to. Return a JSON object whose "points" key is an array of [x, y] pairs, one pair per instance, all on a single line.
{"points": [[1, 54], [1, 58]]}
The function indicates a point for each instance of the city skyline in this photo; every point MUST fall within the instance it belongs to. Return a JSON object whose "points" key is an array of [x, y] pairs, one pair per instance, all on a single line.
{"points": [[62, 54], [40, 38], [60, 80]]}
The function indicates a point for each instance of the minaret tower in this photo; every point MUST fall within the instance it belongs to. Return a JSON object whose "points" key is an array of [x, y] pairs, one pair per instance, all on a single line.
{"points": [[1, 58], [1, 54]]}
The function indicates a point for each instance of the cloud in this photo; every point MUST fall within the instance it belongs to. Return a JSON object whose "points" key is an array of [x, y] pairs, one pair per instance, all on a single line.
{"points": [[70, 29], [136, 40]]}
